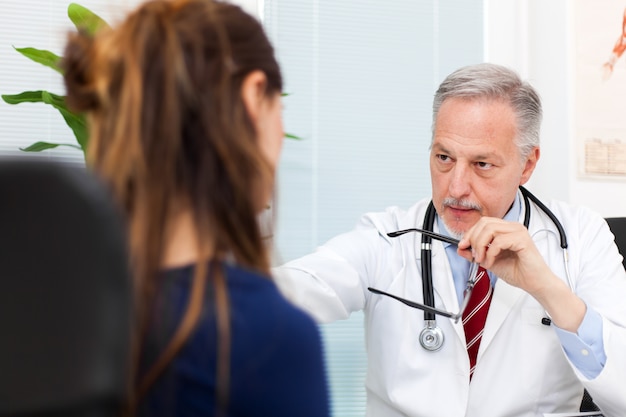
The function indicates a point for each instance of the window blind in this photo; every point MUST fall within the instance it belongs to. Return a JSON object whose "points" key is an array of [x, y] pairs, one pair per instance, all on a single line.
{"points": [[360, 75]]}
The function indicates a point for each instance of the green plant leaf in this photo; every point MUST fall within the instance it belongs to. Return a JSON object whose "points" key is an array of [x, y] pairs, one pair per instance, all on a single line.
{"points": [[76, 122], [42, 146], [85, 19], [291, 136], [42, 57], [25, 97]]}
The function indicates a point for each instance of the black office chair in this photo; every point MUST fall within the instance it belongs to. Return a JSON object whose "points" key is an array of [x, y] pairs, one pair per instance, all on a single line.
{"points": [[618, 227], [65, 293]]}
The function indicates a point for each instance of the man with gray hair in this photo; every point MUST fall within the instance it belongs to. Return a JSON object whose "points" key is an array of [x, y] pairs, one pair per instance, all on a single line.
{"points": [[506, 323]]}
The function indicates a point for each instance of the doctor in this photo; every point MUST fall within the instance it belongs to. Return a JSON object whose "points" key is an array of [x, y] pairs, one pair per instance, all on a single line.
{"points": [[553, 326]]}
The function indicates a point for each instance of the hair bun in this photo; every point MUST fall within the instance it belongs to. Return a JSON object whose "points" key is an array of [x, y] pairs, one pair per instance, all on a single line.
{"points": [[77, 64]]}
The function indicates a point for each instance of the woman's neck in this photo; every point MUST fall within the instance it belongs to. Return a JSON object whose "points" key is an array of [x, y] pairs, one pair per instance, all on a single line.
{"points": [[181, 245]]}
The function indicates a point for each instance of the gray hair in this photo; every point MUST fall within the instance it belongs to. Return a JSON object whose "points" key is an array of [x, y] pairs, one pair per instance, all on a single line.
{"points": [[491, 81]]}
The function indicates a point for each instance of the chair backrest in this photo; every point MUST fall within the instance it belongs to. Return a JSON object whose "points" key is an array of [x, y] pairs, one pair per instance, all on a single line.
{"points": [[618, 227], [65, 293]]}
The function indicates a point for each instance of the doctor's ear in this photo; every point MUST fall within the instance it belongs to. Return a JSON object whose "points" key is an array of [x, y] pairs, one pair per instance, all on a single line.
{"points": [[530, 164], [253, 93]]}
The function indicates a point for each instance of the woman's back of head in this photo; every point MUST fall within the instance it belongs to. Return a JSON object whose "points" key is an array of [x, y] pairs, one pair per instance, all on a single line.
{"points": [[168, 126]]}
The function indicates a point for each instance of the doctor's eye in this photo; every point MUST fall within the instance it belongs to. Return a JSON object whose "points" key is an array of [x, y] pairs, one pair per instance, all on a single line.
{"points": [[484, 165], [443, 158]]}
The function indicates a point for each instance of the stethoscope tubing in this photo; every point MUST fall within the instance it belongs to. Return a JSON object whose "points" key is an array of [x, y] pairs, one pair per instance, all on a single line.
{"points": [[426, 260]]}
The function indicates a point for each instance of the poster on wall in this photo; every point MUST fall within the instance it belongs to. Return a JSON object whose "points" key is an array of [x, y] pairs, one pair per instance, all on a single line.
{"points": [[600, 88]]}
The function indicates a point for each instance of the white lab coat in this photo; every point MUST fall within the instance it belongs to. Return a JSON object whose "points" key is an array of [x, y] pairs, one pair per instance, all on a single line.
{"points": [[522, 369]]}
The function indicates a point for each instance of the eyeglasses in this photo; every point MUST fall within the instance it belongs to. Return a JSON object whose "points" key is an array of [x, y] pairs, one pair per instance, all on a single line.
{"points": [[469, 287]]}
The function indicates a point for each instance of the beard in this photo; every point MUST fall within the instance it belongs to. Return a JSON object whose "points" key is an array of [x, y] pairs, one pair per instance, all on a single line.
{"points": [[466, 204]]}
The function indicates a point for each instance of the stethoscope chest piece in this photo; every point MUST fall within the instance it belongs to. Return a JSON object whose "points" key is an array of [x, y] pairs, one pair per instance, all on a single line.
{"points": [[431, 336]]}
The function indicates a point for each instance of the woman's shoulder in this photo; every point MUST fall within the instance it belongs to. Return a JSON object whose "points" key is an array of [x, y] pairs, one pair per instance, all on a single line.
{"points": [[259, 294], [255, 302], [276, 347]]}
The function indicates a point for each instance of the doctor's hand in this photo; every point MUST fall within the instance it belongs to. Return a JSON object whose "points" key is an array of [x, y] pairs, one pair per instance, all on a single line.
{"points": [[507, 249]]}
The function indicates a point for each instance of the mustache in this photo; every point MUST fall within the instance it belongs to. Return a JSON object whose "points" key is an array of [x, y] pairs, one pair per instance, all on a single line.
{"points": [[466, 204]]}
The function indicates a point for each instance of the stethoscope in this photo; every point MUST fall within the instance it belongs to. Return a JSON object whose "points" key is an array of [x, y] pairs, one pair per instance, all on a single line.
{"points": [[431, 337]]}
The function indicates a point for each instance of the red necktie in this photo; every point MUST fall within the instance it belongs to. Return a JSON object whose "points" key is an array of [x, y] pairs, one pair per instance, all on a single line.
{"points": [[475, 315]]}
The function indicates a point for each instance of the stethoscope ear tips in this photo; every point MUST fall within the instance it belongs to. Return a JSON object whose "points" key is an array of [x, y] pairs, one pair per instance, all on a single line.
{"points": [[546, 321]]}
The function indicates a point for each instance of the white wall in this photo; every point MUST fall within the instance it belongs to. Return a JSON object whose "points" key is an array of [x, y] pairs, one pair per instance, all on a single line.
{"points": [[535, 37]]}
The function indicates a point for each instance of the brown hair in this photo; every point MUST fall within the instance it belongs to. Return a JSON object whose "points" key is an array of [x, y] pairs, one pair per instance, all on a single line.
{"points": [[167, 124]]}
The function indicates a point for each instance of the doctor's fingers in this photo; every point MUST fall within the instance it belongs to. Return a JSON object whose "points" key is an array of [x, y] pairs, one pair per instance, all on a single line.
{"points": [[520, 265], [475, 237], [513, 244], [480, 236]]}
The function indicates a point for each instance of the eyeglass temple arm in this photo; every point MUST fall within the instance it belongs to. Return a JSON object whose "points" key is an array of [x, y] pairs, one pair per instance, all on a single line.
{"points": [[415, 305], [433, 235]]}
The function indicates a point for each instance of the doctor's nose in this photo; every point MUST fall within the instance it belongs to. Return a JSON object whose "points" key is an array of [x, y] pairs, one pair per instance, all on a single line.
{"points": [[459, 185]]}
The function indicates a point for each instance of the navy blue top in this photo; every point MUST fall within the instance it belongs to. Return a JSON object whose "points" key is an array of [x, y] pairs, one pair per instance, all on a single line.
{"points": [[277, 367]]}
